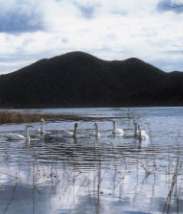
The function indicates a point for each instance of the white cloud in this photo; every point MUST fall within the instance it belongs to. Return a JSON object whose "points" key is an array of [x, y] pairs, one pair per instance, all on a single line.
{"points": [[177, 2], [112, 30]]}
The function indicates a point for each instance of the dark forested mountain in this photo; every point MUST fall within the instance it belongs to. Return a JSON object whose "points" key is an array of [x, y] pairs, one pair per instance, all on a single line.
{"points": [[79, 79]]}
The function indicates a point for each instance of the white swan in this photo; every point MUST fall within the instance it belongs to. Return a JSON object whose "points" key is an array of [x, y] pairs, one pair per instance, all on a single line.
{"points": [[14, 136], [27, 133], [71, 133], [97, 133], [42, 127], [63, 134], [141, 134], [41, 131], [117, 131]]}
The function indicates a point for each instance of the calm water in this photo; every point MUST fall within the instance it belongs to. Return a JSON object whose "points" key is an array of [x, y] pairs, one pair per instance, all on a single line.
{"points": [[87, 175]]}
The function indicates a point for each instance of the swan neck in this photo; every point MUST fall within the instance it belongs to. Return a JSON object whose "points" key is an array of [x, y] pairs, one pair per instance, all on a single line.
{"points": [[75, 131], [96, 130], [136, 130], [27, 134], [42, 128], [140, 133], [114, 127]]}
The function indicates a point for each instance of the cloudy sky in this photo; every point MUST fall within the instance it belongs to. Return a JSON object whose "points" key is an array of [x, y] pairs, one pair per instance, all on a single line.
{"points": [[110, 29]]}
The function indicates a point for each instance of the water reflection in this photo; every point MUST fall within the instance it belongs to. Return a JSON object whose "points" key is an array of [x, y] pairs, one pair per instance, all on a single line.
{"points": [[87, 175]]}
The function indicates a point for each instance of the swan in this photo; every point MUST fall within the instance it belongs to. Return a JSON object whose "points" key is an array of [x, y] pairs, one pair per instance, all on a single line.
{"points": [[74, 133], [15, 136], [42, 127], [117, 131], [27, 137], [12, 136], [141, 134], [63, 134], [41, 131], [97, 133]]}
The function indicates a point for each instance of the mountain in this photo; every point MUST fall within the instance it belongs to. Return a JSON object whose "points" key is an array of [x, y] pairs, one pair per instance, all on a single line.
{"points": [[80, 79]]}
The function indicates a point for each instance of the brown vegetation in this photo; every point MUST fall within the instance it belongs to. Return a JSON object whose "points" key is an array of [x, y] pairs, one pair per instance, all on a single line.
{"points": [[17, 117], [23, 117]]}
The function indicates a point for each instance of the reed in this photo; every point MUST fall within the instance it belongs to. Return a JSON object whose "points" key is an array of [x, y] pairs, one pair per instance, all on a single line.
{"points": [[29, 117], [17, 117]]}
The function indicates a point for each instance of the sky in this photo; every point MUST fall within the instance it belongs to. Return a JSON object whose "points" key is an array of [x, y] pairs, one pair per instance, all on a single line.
{"points": [[151, 30]]}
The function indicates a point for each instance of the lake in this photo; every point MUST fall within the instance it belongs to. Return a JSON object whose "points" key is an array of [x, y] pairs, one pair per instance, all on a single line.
{"points": [[96, 175]]}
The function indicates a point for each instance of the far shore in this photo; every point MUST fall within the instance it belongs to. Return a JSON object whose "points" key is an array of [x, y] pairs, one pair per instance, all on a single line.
{"points": [[9, 117]]}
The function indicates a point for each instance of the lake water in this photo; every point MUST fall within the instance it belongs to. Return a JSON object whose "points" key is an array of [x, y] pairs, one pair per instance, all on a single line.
{"points": [[90, 175]]}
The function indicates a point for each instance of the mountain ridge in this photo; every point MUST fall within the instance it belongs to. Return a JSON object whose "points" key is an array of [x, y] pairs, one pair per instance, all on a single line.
{"points": [[81, 79]]}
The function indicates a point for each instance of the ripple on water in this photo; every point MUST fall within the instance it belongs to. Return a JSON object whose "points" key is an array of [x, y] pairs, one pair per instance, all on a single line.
{"points": [[95, 175]]}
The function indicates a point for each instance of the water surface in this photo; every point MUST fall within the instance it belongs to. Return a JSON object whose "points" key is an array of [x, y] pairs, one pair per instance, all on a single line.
{"points": [[89, 175]]}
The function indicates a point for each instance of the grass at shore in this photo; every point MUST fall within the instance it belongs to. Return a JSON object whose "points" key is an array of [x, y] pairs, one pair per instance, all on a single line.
{"points": [[23, 117], [17, 117]]}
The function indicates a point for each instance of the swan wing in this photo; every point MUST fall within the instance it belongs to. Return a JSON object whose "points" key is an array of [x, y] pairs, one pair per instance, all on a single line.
{"points": [[120, 132], [14, 136]]}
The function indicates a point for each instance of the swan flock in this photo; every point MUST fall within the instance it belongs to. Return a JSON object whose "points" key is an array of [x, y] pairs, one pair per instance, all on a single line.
{"points": [[137, 133]]}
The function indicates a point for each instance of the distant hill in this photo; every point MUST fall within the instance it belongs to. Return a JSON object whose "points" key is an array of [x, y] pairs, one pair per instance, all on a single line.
{"points": [[80, 79]]}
